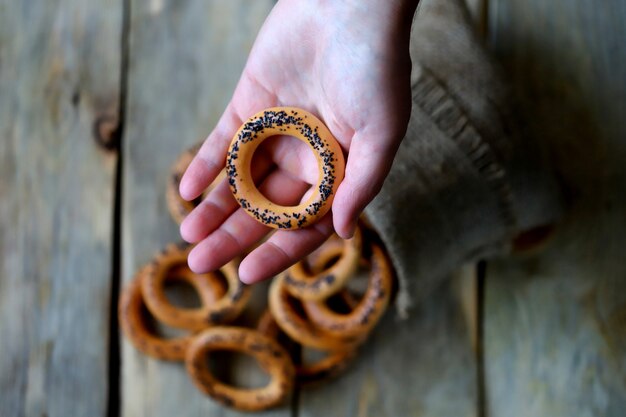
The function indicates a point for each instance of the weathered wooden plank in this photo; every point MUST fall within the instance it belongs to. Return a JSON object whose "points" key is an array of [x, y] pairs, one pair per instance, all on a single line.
{"points": [[422, 366], [555, 339], [59, 84], [185, 59]]}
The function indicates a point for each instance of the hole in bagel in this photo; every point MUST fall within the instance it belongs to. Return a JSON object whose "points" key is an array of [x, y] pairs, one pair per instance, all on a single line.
{"points": [[313, 269], [296, 305], [310, 355], [357, 285], [338, 303], [332, 261], [284, 169], [182, 294], [159, 329], [178, 290], [237, 369]]}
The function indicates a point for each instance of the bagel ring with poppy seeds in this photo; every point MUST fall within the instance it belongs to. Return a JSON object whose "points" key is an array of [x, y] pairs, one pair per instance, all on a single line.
{"points": [[310, 373], [319, 285], [299, 328], [209, 287], [178, 207], [267, 324], [335, 361], [135, 328], [369, 310], [309, 129], [272, 357], [221, 311]]}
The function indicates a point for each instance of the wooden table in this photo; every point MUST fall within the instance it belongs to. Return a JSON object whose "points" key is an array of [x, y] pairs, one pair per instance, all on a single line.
{"points": [[98, 97]]}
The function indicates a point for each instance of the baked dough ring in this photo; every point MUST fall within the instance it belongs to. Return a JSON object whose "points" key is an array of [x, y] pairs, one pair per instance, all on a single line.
{"points": [[300, 329], [311, 373], [334, 362], [221, 311], [178, 207], [370, 309], [321, 285], [270, 355], [305, 127], [134, 326], [209, 288]]}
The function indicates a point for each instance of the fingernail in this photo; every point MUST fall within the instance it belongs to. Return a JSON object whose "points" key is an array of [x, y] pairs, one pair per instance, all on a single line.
{"points": [[183, 188], [351, 230], [243, 275]]}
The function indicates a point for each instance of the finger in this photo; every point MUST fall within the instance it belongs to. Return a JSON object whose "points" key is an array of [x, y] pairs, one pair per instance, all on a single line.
{"points": [[211, 157], [241, 231], [369, 162], [248, 98], [283, 249], [232, 238], [218, 205], [209, 214]]}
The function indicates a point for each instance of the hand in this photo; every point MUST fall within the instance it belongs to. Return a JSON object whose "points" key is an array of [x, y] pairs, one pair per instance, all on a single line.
{"points": [[348, 63]]}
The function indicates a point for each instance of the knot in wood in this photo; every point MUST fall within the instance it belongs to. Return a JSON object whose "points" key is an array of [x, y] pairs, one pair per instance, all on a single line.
{"points": [[106, 132]]}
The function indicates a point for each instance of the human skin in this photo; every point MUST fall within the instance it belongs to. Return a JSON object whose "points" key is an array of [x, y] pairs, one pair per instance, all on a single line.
{"points": [[345, 61]]}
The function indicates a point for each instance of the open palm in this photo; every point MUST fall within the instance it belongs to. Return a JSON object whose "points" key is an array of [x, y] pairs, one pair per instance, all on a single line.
{"points": [[349, 65]]}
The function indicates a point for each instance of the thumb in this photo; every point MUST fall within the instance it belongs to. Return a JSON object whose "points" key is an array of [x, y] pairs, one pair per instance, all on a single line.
{"points": [[369, 161]]}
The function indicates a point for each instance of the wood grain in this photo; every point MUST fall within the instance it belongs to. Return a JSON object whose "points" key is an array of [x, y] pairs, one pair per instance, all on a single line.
{"points": [[185, 59], [59, 85], [555, 339], [422, 366]]}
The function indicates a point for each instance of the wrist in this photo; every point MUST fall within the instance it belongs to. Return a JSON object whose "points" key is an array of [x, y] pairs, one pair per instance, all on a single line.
{"points": [[398, 13]]}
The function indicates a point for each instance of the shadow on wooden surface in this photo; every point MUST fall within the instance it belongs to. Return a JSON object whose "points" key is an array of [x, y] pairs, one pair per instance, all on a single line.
{"points": [[555, 322]]}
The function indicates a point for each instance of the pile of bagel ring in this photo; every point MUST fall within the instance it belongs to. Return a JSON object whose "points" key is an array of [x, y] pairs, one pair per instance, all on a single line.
{"points": [[311, 305]]}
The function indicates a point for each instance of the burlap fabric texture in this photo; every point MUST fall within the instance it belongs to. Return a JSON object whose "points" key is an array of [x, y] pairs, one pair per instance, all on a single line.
{"points": [[466, 179]]}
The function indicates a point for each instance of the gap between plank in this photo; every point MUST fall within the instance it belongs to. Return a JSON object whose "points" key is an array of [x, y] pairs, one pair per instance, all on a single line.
{"points": [[482, 27], [481, 400], [297, 352], [479, 16], [483, 21], [114, 388]]}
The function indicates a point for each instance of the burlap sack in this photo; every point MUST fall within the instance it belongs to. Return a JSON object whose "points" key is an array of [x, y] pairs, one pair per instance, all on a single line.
{"points": [[466, 180]]}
